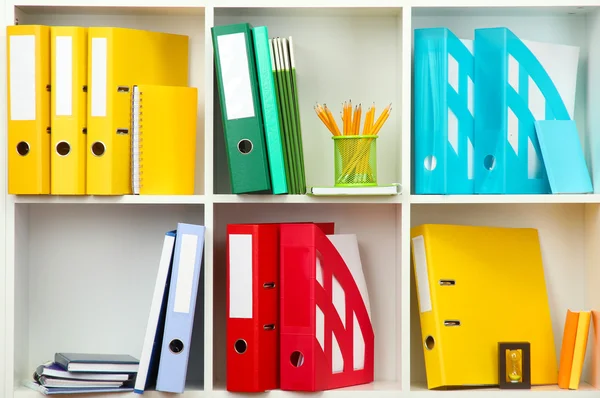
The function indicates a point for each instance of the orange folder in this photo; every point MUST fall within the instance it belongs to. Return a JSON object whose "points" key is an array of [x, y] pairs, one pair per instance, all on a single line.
{"points": [[572, 353], [595, 380]]}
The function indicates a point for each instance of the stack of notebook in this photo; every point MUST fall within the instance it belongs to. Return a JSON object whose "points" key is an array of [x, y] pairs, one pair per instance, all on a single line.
{"points": [[258, 92], [85, 373]]}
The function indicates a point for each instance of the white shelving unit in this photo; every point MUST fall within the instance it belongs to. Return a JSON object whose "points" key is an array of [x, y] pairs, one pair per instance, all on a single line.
{"points": [[79, 271]]}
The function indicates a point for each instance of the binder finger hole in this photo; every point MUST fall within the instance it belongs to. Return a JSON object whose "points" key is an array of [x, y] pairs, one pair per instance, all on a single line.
{"points": [[489, 162], [63, 148], [430, 163], [429, 343], [22, 148], [98, 148], [240, 346], [297, 359], [245, 146], [176, 346]]}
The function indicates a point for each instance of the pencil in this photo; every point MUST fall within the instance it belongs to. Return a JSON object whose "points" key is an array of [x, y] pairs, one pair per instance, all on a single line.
{"points": [[381, 119], [356, 120], [323, 116], [369, 120], [332, 120]]}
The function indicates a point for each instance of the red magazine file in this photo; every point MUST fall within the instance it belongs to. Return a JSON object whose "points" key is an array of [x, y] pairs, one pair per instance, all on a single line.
{"points": [[253, 306], [304, 364]]}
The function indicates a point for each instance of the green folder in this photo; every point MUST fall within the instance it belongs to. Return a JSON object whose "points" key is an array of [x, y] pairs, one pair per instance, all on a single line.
{"points": [[237, 85], [264, 67]]}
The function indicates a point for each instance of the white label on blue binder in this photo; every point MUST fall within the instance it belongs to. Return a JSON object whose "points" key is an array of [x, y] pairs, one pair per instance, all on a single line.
{"points": [[235, 75], [422, 273], [240, 276], [64, 75], [22, 77], [99, 79], [185, 273]]}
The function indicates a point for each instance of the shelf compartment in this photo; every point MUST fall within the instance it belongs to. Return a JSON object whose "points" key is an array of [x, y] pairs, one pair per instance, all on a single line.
{"points": [[420, 390], [378, 389], [567, 25], [377, 229], [306, 199], [568, 239], [341, 54], [126, 199], [177, 19], [84, 279], [500, 199]]}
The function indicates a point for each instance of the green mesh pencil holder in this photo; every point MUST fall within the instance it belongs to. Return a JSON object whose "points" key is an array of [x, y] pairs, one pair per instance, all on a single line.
{"points": [[355, 160]]}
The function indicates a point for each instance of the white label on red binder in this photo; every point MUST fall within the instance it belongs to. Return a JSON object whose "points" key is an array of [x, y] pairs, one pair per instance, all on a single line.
{"points": [[22, 77], [185, 274], [240, 276], [64, 75], [235, 76], [98, 79], [422, 273]]}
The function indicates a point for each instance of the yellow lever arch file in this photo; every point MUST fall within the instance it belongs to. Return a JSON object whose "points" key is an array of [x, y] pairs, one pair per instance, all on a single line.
{"points": [[163, 149], [28, 89], [476, 287], [119, 58], [69, 112]]}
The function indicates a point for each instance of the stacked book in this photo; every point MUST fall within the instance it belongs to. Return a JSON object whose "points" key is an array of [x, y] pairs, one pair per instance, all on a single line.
{"points": [[85, 373]]}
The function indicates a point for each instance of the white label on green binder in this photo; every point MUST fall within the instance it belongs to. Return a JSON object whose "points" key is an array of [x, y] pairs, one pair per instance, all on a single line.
{"points": [[240, 276], [99, 78], [185, 273], [235, 75], [64, 75], [422, 273], [22, 77]]}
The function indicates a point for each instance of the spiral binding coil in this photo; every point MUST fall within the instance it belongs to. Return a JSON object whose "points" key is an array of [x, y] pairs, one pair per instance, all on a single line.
{"points": [[137, 147]]}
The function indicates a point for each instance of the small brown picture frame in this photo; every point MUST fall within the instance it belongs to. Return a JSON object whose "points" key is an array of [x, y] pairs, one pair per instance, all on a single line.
{"points": [[524, 365]]}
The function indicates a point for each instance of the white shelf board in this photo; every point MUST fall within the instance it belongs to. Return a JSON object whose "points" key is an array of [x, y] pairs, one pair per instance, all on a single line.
{"points": [[378, 389], [50, 6], [499, 5], [125, 199], [306, 199], [24, 392], [585, 391], [307, 3], [499, 199]]}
